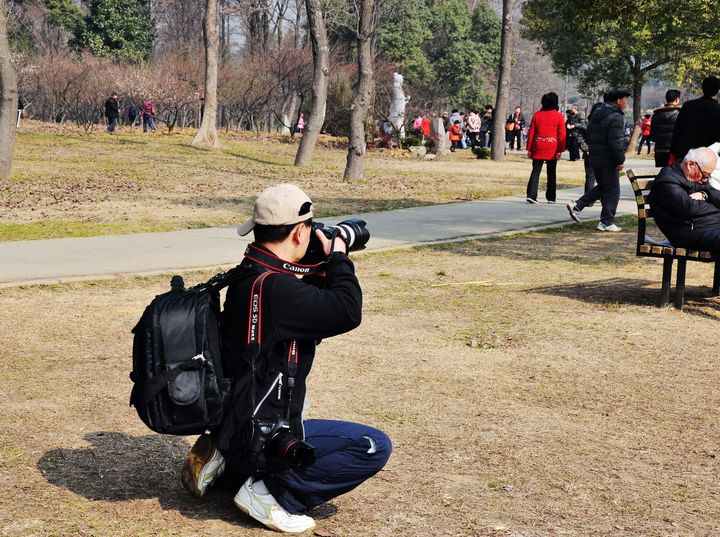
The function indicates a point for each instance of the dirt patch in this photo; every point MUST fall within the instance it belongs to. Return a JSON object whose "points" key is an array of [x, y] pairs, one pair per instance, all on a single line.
{"points": [[529, 385]]}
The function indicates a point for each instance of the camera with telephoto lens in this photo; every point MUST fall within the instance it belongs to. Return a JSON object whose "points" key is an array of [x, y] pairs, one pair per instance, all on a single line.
{"points": [[272, 437], [352, 231]]}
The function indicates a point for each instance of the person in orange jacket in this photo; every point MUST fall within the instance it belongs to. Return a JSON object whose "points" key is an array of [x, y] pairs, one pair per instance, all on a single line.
{"points": [[455, 133]]}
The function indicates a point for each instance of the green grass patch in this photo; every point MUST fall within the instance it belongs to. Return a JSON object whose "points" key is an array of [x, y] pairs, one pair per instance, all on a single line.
{"points": [[59, 229]]}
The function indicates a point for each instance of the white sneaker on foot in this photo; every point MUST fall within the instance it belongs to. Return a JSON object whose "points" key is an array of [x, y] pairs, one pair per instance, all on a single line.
{"points": [[203, 465], [611, 227], [573, 210], [265, 509]]}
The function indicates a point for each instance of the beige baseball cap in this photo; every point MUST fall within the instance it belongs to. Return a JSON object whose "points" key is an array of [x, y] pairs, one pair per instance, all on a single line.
{"points": [[278, 205]]}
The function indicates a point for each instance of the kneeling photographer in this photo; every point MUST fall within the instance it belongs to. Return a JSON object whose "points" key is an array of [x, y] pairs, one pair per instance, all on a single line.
{"points": [[297, 286]]}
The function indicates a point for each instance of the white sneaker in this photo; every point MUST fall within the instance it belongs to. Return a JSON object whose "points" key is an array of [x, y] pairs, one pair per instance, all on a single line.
{"points": [[265, 509], [611, 227], [203, 465], [573, 211]]}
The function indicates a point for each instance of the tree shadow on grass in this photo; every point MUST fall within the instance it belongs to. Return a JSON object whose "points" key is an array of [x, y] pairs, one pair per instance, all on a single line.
{"points": [[118, 467], [634, 291]]}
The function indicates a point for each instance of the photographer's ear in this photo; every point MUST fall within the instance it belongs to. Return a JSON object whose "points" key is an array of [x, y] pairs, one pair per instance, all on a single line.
{"points": [[300, 234]]}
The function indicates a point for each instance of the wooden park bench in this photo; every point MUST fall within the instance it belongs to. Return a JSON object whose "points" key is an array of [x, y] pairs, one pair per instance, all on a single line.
{"points": [[648, 247]]}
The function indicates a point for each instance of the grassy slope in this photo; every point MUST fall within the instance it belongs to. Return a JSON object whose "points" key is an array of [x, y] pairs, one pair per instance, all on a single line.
{"points": [[74, 184]]}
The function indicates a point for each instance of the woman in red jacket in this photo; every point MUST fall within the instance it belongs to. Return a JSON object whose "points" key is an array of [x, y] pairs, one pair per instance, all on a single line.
{"points": [[545, 143]]}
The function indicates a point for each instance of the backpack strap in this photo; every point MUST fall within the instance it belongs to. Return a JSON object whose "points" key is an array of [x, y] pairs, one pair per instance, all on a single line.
{"points": [[223, 279], [254, 341]]}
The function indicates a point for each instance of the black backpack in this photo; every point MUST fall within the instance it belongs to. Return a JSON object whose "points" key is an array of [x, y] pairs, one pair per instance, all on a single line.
{"points": [[180, 383]]}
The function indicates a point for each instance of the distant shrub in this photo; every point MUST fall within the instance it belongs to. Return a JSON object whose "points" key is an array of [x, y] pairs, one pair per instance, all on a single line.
{"points": [[481, 152], [411, 140]]}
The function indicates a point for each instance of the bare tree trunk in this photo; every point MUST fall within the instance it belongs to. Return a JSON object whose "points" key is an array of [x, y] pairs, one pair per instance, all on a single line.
{"points": [[638, 81], [318, 93], [8, 100], [298, 20], [503, 86], [355, 166], [207, 133]]}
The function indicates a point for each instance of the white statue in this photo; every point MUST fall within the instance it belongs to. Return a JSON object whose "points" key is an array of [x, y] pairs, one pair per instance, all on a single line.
{"points": [[397, 107]]}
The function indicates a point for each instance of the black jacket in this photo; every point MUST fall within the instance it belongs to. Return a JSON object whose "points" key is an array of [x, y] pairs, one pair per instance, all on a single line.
{"points": [[292, 309], [662, 127], [697, 125], [520, 122], [606, 137], [682, 219], [112, 110], [573, 122]]}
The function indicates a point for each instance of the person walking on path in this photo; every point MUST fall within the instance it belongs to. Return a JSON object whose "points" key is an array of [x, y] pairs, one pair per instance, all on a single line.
{"points": [[645, 127], [698, 123], [585, 150], [662, 126], [515, 124], [572, 123], [301, 124], [545, 144], [606, 142], [112, 112], [148, 115]]}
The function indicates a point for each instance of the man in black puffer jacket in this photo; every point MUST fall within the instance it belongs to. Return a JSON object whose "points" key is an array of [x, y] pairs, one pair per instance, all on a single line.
{"points": [[605, 138], [685, 208], [662, 126]]}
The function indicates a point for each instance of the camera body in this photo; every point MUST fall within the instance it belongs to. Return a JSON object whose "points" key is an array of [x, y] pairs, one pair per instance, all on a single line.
{"points": [[273, 441], [352, 231]]}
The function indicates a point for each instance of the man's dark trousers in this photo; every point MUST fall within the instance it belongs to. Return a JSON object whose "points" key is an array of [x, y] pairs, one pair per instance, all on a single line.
{"points": [[346, 454], [516, 135], [589, 175], [573, 148], [607, 191]]}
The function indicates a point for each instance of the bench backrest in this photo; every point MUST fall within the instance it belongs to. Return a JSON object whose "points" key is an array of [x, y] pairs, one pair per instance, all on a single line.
{"points": [[641, 185]]}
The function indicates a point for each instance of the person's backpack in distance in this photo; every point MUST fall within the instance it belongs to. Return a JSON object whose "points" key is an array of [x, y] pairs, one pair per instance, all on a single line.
{"points": [[180, 385]]}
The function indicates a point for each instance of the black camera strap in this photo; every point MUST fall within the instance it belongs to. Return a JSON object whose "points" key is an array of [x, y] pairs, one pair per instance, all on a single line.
{"points": [[254, 342], [271, 262]]}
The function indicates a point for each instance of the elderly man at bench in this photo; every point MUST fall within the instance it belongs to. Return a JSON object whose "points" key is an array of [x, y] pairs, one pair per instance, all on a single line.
{"points": [[685, 207]]}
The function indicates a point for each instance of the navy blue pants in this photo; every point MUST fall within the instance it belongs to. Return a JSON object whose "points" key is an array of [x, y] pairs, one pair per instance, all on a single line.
{"points": [[346, 455]]}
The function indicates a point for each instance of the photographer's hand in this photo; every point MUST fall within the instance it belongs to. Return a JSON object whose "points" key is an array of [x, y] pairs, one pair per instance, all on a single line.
{"points": [[327, 244]]}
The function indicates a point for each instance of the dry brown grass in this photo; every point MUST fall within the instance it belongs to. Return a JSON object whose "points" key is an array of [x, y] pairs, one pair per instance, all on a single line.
{"points": [[67, 183], [549, 397]]}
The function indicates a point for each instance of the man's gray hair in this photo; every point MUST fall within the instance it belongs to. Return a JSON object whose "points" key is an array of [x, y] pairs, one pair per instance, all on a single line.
{"points": [[702, 156]]}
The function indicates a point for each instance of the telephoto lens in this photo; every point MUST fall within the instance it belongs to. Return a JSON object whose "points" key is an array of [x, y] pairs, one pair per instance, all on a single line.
{"points": [[352, 231], [355, 233]]}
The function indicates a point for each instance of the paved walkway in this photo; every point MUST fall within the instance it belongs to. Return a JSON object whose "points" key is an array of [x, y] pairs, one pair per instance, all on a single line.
{"points": [[53, 261]]}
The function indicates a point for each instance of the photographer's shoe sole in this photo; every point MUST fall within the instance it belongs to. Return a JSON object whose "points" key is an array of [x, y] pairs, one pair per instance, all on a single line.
{"points": [[203, 465]]}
